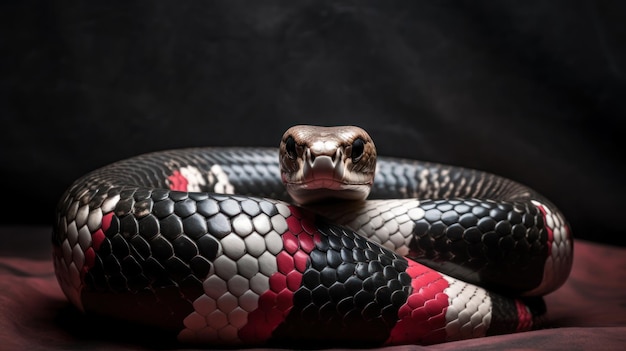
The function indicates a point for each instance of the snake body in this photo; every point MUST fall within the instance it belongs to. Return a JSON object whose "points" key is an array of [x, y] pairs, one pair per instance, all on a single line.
{"points": [[207, 245]]}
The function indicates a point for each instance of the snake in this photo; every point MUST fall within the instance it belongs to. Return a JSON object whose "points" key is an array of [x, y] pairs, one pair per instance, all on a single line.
{"points": [[319, 242]]}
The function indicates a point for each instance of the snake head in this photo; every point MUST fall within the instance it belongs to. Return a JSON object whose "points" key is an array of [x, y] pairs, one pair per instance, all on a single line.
{"points": [[327, 162]]}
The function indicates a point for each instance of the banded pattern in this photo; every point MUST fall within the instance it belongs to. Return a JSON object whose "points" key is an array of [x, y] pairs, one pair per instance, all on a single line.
{"points": [[151, 240]]}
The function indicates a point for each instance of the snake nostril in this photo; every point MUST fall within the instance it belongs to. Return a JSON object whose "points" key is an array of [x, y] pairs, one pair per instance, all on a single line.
{"points": [[337, 155], [310, 156]]}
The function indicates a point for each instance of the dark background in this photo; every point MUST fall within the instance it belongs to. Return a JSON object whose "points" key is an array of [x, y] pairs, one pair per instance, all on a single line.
{"points": [[531, 90]]}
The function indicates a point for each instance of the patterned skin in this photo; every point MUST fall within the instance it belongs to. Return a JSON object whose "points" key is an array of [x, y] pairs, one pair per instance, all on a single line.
{"points": [[436, 253]]}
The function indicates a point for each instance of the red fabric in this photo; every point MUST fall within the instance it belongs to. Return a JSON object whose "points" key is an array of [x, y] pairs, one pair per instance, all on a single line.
{"points": [[588, 312]]}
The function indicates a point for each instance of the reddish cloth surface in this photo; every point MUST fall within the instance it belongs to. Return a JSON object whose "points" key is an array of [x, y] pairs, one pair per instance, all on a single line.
{"points": [[588, 312]]}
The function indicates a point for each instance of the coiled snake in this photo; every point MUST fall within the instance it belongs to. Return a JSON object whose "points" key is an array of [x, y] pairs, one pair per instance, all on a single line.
{"points": [[206, 244]]}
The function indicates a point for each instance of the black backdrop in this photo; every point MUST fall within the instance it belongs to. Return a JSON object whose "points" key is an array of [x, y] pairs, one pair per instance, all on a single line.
{"points": [[531, 90]]}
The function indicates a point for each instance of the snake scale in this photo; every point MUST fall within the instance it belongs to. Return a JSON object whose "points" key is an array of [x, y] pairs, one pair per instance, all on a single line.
{"points": [[227, 246]]}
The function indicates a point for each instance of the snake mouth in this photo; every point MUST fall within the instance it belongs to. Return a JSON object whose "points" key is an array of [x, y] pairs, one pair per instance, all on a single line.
{"points": [[327, 183], [331, 184], [315, 191]]}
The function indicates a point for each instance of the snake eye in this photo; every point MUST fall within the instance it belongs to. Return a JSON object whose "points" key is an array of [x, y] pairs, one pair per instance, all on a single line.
{"points": [[358, 146], [290, 146]]}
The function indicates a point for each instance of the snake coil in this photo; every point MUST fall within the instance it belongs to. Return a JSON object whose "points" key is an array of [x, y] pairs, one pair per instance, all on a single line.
{"points": [[206, 244]]}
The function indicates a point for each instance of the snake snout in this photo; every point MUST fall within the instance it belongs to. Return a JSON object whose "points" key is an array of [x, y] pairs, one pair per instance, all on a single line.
{"points": [[310, 156], [323, 167]]}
